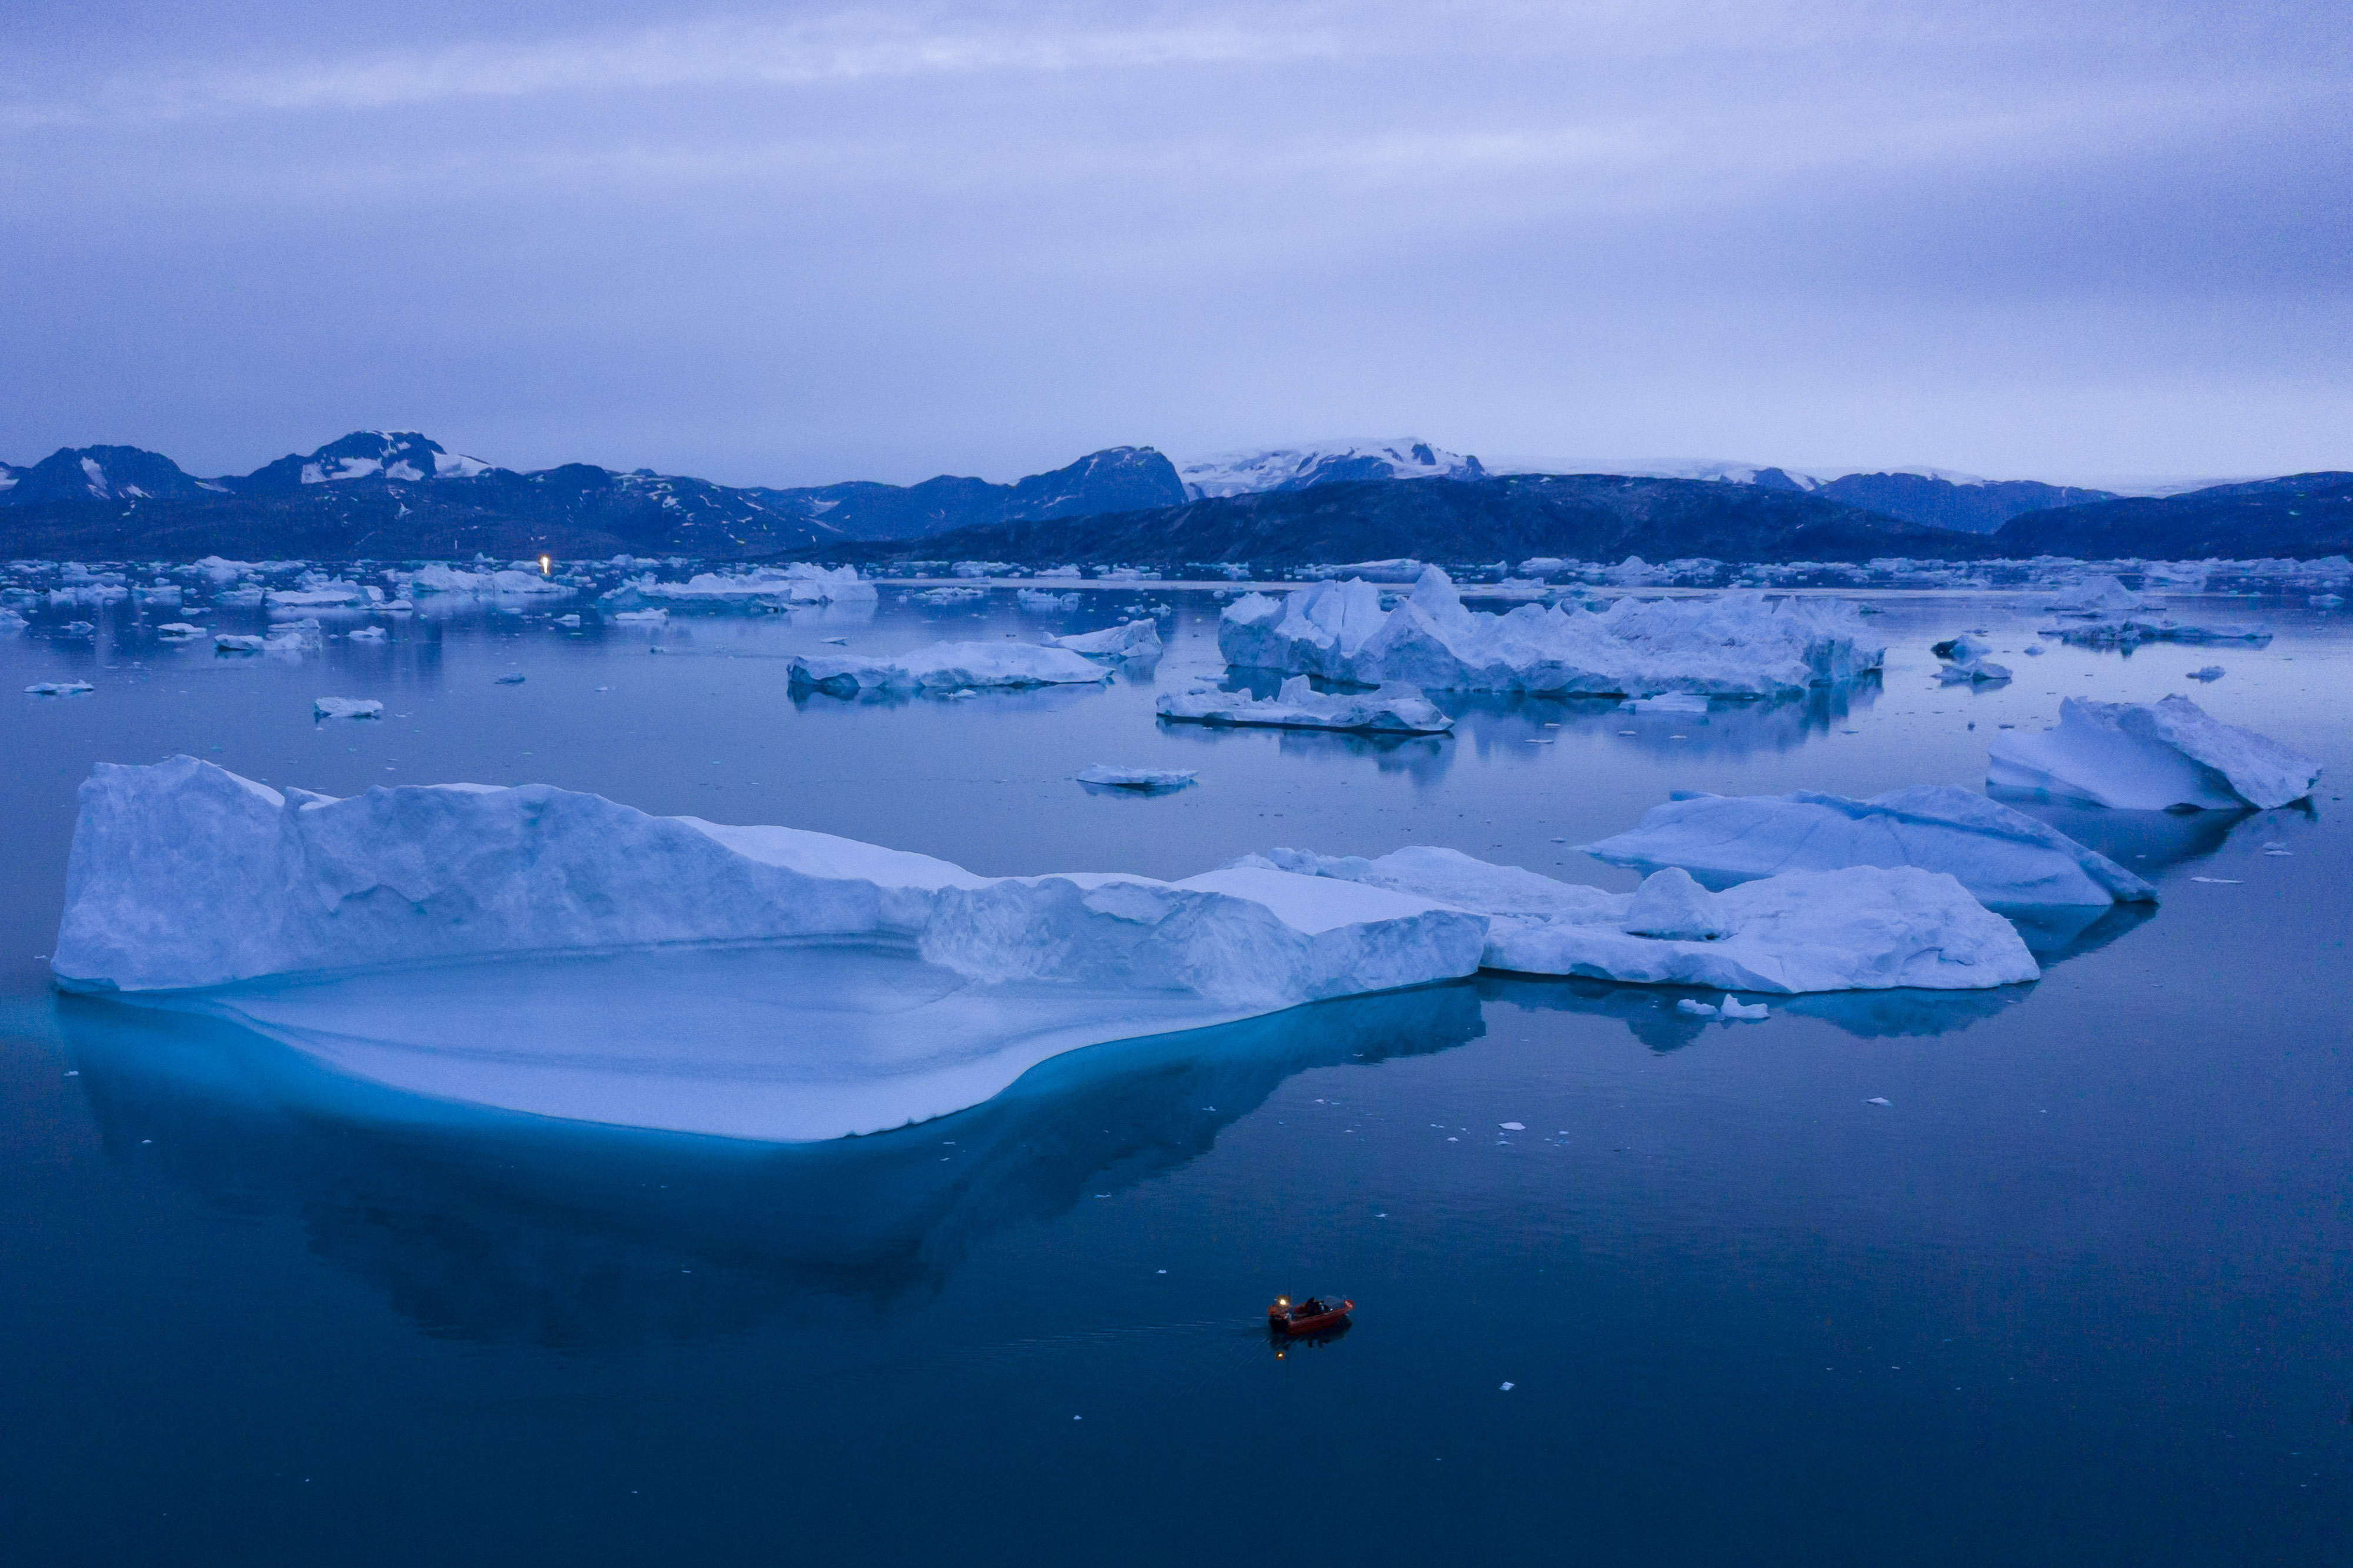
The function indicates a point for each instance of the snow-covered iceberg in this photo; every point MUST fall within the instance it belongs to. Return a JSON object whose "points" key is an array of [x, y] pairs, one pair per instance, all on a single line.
{"points": [[916, 987], [1859, 929], [1733, 644], [2099, 595], [2001, 856], [947, 667], [1142, 780], [1133, 639], [759, 588], [2128, 632], [2150, 756], [1389, 711]]}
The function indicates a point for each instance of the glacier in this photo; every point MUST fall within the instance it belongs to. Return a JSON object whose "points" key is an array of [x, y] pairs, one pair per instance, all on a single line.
{"points": [[1398, 710], [2150, 756], [945, 666], [1733, 645], [1861, 928], [2002, 856]]}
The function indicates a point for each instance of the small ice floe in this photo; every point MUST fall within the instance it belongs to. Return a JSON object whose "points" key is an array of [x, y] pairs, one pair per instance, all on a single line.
{"points": [[1733, 1007], [2326, 600], [945, 666], [1506, 1389], [2221, 881], [838, 642], [572, 620], [347, 708], [2212, 673], [2150, 756], [641, 617], [1513, 1126], [369, 633], [232, 642], [1142, 780], [1037, 601], [1696, 1009], [59, 689], [2001, 854], [1966, 663], [1391, 711], [514, 677], [1133, 639], [1666, 702], [178, 631], [2033, 651], [78, 629], [1879, 1100]]}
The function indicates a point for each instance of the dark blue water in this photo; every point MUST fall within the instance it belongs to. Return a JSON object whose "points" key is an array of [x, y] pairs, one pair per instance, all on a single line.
{"points": [[2080, 1293]]}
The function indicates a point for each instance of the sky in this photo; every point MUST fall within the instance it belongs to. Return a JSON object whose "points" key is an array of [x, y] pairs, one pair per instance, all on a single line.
{"points": [[796, 244]]}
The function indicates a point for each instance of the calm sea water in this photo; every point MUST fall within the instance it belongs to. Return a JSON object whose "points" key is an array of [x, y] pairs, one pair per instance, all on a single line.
{"points": [[2082, 1292]]}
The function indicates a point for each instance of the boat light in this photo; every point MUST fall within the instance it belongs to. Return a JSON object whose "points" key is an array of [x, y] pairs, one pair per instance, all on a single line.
{"points": [[545, 561]]}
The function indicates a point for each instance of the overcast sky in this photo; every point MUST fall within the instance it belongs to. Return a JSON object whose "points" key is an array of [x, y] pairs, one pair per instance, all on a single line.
{"points": [[794, 244]]}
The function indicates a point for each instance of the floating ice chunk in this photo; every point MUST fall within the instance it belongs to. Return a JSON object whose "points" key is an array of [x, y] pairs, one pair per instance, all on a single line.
{"points": [[321, 595], [1146, 781], [947, 667], [10, 621], [231, 642], [1737, 645], [1974, 672], [2326, 600], [368, 633], [1512, 1127], [2099, 595], [1391, 711], [838, 986], [1733, 1007], [512, 678], [2033, 652], [1877, 1099], [1857, 929], [571, 620], [1671, 906], [760, 588], [653, 617], [1135, 639], [59, 689], [2149, 757], [948, 596], [1966, 648], [1037, 601], [347, 708], [1670, 702], [2001, 856], [178, 631], [2212, 673], [1697, 1009], [2130, 632]]}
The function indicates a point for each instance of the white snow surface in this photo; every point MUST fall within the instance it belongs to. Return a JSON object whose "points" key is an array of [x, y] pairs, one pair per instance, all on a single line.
{"points": [[1858, 929], [1292, 468], [1394, 710], [1733, 645], [946, 665], [2150, 756], [1132, 639], [913, 987], [2001, 856]]}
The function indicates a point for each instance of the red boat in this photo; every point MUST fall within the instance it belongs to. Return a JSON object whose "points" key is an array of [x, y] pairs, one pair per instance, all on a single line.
{"points": [[1313, 1315]]}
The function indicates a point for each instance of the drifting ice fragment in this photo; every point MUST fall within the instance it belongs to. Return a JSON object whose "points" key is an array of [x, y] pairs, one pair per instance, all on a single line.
{"points": [[1391, 711], [230, 642], [2212, 673], [1732, 1007], [1146, 781], [1671, 702], [347, 708], [178, 631], [945, 666], [1738, 645], [1877, 1099], [515, 678], [1859, 929], [368, 633], [1512, 1127], [59, 689], [2001, 856], [1135, 639], [2149, 757], [1696, 1009]]}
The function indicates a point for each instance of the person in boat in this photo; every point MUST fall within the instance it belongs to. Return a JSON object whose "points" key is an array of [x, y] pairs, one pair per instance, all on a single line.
{"points": [[1308, 1307]]}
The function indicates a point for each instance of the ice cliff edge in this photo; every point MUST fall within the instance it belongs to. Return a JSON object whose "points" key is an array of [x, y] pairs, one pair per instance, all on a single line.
{"points": [[183, 875]]}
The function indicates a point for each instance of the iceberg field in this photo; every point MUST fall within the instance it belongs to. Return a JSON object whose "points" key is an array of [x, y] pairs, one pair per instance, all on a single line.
{"points": [[2150, 756], [945, 666], [1735, 645], [1398, 710], [2001, 856], [1858, 929]]}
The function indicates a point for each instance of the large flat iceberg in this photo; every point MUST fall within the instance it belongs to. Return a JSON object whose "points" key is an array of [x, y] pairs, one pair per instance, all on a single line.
{"points": [[1391, 711], [2002, 857], [346, 927], [2150, 756], [947, 667], [1860, 929], [1733, 644], [759, 588]]}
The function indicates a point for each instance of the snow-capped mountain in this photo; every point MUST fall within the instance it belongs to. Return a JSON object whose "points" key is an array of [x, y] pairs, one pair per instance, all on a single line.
{"points": [[1321, 463], [98, 473], [363, 454]]}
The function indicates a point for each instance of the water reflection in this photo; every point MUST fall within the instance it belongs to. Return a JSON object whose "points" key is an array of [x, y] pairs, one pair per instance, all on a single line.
{"points": [[490, 1227]]}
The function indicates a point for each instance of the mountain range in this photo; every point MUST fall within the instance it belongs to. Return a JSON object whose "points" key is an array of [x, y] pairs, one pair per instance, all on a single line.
{"points": [[399, 495]]}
